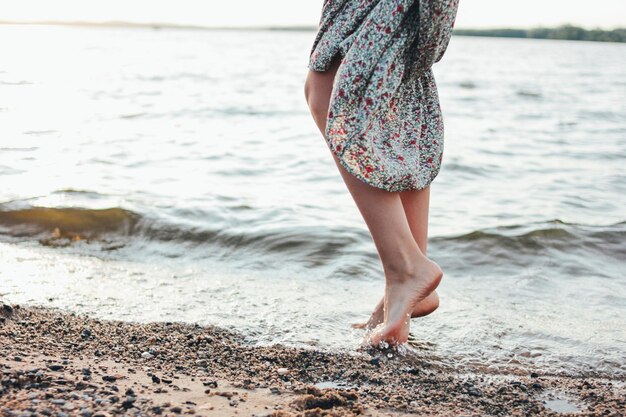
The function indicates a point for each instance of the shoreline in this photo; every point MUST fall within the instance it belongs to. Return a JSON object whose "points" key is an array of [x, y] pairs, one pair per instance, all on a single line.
{"points": [[63, 364], [566, 32]]}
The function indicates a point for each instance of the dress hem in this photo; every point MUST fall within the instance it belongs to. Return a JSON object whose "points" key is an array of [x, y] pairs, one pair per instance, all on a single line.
{"points": [[339, 154]]}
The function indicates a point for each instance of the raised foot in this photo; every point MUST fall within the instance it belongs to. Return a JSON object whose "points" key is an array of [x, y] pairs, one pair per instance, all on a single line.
{"points": [[423, 308], [402, 294]]}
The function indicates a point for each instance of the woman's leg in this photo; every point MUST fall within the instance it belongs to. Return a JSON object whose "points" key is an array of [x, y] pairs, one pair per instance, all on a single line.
{"points": [[416, 204], [409, 275]]}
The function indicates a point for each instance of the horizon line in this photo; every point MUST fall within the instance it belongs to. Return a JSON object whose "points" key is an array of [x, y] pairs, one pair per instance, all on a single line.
{"points": [[166, 25]]}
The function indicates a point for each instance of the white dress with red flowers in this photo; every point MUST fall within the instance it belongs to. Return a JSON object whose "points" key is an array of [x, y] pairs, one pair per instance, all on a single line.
{"points": [[384, 122]]}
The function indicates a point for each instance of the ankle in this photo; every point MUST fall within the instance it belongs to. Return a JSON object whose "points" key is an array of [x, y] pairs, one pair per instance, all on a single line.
{"points": [[403, 268]]}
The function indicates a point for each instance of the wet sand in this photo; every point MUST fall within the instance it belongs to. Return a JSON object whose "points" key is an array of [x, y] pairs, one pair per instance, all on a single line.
{"points": [[55, 363]]}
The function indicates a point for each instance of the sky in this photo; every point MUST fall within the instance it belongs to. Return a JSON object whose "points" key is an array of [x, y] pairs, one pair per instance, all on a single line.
{"points": [[472, 13]]}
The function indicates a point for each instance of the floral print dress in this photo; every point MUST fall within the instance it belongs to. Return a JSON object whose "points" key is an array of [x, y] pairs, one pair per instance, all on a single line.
{"points": [[384, 122]]}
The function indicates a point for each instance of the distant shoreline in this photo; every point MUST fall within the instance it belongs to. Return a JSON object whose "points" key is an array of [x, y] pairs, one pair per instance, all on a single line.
{"points": [[563, 32]]}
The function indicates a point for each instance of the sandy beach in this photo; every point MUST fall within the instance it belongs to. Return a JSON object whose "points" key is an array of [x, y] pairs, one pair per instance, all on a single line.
{"points": [[56, 363]]}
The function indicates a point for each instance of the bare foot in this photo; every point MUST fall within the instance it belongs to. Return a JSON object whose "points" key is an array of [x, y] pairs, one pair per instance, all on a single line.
{"points": [[423, 308], [402, 293]]}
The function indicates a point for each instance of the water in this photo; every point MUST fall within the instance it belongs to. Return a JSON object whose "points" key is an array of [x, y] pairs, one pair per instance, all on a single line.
{"points": [[202, 192]]}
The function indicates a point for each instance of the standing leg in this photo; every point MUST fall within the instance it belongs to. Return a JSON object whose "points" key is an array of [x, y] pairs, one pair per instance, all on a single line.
{"points": [[409, 275], [415, 205]]}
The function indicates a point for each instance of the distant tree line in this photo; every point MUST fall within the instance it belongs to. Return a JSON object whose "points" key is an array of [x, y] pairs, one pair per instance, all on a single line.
{"points": [[566, 32]]}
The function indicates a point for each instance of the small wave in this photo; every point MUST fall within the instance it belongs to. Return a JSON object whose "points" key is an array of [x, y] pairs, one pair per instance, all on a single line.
{"points": [[22, 82], [555, 234], [18, 149], [75, 191], [74, 223], [305, 243], [478, 171], [132, 115], [58, 226], [310, 243], [529, 94], [470, 85], [38, 132]]}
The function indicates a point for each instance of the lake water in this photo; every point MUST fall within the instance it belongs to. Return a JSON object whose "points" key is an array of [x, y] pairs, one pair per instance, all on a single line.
{"points": [[186, 181]]}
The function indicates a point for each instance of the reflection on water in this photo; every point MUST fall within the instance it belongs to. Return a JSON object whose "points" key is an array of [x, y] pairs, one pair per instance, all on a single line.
{"points": [[177, 175]]}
